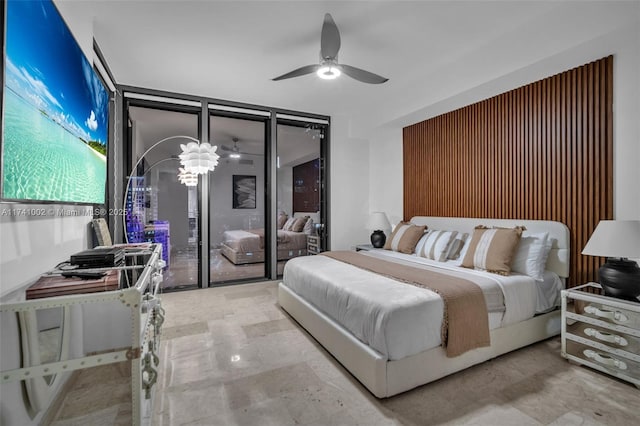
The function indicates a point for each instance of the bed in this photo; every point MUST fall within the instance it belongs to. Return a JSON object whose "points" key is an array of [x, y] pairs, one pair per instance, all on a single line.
{"points": [[384, 343], [247, 246]]}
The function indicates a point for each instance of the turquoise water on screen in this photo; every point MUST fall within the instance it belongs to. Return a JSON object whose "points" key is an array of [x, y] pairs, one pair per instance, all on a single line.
{"points": [[43, 161]]}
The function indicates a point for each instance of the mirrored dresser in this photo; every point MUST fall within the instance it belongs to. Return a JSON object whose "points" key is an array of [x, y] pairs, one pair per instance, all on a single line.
{"points": [[601, 332]]}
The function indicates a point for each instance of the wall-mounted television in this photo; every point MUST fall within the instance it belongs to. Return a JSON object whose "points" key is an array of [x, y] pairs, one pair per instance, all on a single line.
{"points": [[55, 112]]}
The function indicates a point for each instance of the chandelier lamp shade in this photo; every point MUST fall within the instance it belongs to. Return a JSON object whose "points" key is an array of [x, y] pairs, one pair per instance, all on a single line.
{"points": [[198, 158], [187, 178]]}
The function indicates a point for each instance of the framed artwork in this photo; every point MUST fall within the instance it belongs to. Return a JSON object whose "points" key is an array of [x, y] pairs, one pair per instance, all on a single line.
{"points": [[244, 192]]}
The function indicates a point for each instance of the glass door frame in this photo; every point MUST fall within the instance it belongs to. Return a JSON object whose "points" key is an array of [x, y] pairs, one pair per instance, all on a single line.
{"points": [[265, 118], [324, 126], [138, 96], [169, 105]]}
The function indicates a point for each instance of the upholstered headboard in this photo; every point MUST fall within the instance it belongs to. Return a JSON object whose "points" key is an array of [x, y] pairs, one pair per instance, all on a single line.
{"points": [[558, 260]]}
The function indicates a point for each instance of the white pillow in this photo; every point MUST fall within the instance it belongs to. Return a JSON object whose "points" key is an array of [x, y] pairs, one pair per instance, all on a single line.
{"points": [[531, 255], [421, 241], [437, 245]]}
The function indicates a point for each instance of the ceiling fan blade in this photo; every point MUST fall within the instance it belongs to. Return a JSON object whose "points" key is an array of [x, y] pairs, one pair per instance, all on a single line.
{"points": [[307, 69], [329, 38], [226, 148], [362, 75]]}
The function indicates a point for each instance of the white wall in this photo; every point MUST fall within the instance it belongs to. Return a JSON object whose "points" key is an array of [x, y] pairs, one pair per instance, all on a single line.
{"points": [[31, 245], [385, 188], [349, 185], [385, 177]]}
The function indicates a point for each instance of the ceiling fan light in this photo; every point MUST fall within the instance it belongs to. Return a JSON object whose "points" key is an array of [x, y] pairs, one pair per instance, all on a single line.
{"points": [[234, 155], [329, 72]]}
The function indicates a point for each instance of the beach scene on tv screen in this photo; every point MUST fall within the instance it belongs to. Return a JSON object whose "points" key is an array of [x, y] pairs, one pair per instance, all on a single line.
{"points": [[55, 113]]}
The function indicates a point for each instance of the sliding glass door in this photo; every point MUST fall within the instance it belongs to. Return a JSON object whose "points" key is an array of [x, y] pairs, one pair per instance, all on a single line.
{"points": [[159, 208], [237, 199], [301, 189], [264, 203]]}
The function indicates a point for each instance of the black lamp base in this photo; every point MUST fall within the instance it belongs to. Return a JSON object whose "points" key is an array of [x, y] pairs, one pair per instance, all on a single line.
{"points": [[378, 239], [620, 278]]}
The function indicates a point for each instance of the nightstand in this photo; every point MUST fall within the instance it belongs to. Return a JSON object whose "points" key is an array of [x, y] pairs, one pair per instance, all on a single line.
{"points": [[602, 332], [313, 244], [364, 247]]}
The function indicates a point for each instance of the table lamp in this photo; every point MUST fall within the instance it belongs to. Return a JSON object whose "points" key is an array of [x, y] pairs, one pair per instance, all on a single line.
{"points": [[379, 223], [617, 240]]}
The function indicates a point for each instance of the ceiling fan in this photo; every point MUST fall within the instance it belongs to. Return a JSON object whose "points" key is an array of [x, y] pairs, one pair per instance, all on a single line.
{"points": [[234, 151], [329, 68]]}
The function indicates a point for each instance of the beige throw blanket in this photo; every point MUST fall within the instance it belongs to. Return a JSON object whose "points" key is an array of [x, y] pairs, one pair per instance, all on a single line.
{"points": [[465, 324]]}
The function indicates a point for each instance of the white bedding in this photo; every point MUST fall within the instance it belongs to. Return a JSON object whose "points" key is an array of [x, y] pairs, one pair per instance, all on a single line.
{"points": [[397, 319]]}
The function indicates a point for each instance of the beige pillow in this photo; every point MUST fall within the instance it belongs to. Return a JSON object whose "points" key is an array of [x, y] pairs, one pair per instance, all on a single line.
{"points": [[289, 223], [491, 249], [405, 237], [282, 219], [309, 228], [298, 225]]}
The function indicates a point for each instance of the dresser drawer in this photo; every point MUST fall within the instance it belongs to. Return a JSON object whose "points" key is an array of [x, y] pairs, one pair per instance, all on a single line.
{"points": [[618, 365], [611, 338], [609, 314]]}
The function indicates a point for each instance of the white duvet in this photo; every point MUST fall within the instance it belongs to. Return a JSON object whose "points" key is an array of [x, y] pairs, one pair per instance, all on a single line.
{"points": [[394, 318]]}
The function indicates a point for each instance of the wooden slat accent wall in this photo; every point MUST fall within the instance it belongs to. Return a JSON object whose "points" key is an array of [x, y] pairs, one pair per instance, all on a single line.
{"points": [[542, 151]]}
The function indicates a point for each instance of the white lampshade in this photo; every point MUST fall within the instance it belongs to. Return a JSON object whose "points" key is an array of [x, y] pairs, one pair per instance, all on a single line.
{"points": [[187, 178], [379, 221], [199, 158], [615, 238]]}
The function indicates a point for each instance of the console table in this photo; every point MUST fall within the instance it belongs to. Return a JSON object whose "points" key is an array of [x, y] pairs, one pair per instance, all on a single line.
{"points": [[147, 316]]}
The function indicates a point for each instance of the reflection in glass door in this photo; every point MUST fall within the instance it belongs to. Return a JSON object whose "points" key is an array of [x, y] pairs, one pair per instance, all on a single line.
{"points": [[299, 190], [237, 200], [159, 208]]}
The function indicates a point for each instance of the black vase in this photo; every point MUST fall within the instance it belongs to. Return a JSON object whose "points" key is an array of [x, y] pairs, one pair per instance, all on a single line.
{"points": [[378, 239], [620, 278]]}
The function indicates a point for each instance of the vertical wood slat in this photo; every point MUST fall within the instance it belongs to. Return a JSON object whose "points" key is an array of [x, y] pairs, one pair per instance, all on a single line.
{"points": [[543, 151]]}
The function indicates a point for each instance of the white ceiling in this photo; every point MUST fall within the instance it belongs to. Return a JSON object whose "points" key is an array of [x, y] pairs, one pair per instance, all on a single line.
{"points": [[430, 50]]}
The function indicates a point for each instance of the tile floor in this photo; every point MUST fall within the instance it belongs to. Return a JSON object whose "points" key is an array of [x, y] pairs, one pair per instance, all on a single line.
{"points": [[183, 269], [231, 356]]}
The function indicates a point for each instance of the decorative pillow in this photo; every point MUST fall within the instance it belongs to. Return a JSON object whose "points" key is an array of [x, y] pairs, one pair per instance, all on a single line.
{"points": [[289, 223], [455, 248], [437, 245], [531, 256], [298, 225], [404, 237], [309, 227], [282, 219], [491, 249], [422, 241]]}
